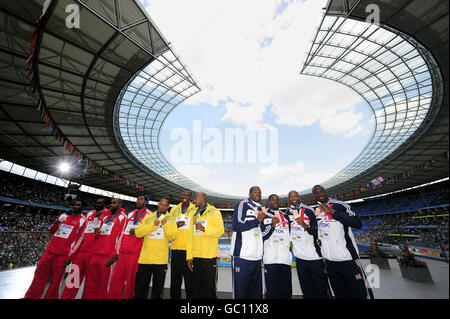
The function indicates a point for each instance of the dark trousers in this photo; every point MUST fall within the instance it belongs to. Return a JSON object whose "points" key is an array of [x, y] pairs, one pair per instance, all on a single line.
{"points": [[144, 276], [204, 278], [347, 279], [247, 279], [179, 270], [313, 279], [278, 281]]}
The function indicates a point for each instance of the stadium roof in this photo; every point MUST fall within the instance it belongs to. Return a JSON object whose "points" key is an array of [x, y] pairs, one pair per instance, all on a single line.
{"points": [[83, 74], [95, 82], [400, 68]]}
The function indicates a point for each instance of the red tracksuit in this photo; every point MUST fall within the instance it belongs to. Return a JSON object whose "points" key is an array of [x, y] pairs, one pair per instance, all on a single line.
{"points": [[105, 247], [127, 264], [81, 260], [62, 245]]}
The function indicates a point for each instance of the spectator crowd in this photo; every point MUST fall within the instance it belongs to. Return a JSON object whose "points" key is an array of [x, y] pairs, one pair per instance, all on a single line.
{"points": [[24, 228]]}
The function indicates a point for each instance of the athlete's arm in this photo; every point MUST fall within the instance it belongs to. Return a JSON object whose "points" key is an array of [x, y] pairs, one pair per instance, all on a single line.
{"points": [[240, 223], [346, 216]]}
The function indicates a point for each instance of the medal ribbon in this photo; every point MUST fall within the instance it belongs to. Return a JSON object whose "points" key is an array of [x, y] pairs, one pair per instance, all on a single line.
{"points": [[201, 210], [111, 217], [137, 216]]}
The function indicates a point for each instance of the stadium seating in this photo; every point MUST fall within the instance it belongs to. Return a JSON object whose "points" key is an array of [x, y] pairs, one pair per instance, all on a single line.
{"points": [[418, 217]]}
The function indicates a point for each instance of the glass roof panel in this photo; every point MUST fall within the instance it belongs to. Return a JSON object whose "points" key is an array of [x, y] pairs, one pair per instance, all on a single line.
{"points": [[153, 93], [388, 69]]}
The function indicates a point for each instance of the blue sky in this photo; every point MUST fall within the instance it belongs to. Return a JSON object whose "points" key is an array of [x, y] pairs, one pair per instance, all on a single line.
{"points": [[246, 57], [323, 154]]}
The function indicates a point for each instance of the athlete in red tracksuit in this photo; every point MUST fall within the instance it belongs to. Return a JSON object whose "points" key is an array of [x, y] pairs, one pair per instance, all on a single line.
{"points": [[81, 260], [129, 251], [66, 231], [104, 251]]}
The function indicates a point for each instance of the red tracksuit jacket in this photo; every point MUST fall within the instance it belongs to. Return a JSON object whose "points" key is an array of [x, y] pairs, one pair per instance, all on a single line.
{"points": [[88, 239], [131, 244], [107, 242], [66, 235]]}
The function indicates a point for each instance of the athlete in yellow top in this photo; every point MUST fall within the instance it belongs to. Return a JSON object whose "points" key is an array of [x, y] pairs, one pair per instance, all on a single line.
{"points": [[182, 213], [157, 228], [203, 247]]}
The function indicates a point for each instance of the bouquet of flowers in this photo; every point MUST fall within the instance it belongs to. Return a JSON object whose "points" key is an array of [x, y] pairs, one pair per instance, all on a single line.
{"points": [[409, 260], [376, 252]]}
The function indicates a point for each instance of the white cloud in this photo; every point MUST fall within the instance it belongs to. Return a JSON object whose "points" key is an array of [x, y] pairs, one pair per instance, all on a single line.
{"points": [[198, 173], [210, 178], [343, 123], [284, 179], [221, 43], [288, 177], [250, 61], [269, 174], [248, 115]]}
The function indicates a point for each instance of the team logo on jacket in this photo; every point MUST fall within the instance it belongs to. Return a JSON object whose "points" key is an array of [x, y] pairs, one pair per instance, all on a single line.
{"points": [[358, 276], [251, 212]]}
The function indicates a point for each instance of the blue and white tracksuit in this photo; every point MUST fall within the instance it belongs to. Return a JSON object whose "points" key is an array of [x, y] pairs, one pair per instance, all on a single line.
{"points": [[247, 251], [277, 257], [309, 263], [339, 250]]}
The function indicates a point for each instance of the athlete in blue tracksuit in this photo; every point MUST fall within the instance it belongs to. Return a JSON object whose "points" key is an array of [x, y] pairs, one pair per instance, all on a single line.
{"points": [[338, 247], [277, 256], [309, 263], [247, 247]]}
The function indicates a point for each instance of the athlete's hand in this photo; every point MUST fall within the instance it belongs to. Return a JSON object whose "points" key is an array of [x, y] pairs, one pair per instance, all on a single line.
{"points": [[190, 264], [275, 221], [131, 232], [112, 260], [96, 230], [262, 214], [302, 223], [317, 211], [163, 221], [180, 224], [326, 209], [199, 227], [156, 222]]}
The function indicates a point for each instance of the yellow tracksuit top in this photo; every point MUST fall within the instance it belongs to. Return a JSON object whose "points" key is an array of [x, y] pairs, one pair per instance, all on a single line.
{"points": [[155, 249], [206, 244], [181, 240]]}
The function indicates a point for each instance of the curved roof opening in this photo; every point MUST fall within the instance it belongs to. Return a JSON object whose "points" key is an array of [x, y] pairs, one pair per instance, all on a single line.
{"points": [[82, 76], [397, 77], [141, 109]]}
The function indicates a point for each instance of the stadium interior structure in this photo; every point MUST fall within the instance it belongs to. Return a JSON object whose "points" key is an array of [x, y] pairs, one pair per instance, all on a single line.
{"points": [[105, 89]]}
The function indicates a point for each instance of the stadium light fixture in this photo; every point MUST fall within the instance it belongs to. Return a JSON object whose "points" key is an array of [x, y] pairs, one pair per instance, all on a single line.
{"points": [[64, 167]]}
